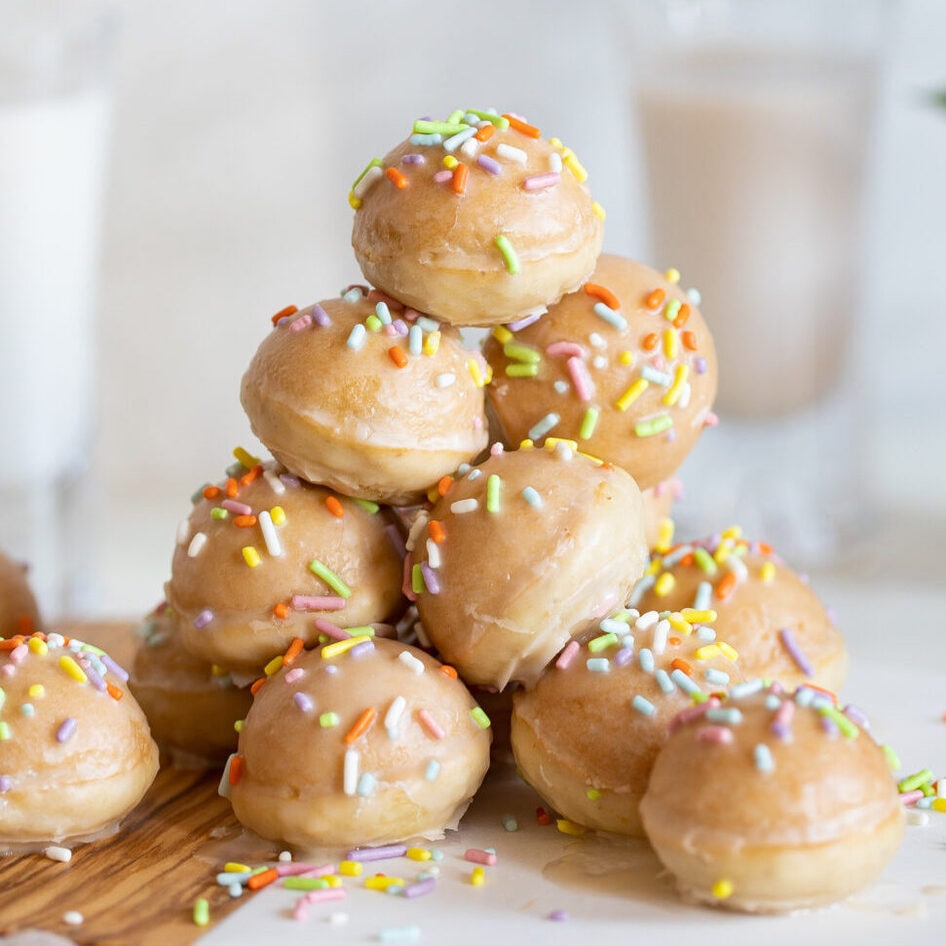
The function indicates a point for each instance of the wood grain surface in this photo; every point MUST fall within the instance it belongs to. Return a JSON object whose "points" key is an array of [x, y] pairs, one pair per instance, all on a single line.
{"points": [[138, 886]]}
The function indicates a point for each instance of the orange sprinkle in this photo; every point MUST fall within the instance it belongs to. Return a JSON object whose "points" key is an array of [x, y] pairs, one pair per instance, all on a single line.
{"points": [[604, 294], [678, 663], [263, 879], [251, 475], [361, 725], [396, 354], [244, 522], [11, 643], [687, 560], [725, 586], [460, 174], [232, 488], [211, 492], [689, 340], [435, 526], [114, 692], [765, 548], [524, 128], [654, 299], [829, 693], [542, 816], [285, 313], [255, 685], [674, 641], [281, 610], [683, 314], [485, 133], [396, 178], [236, 769], [444, 484], [293, 651], [335, 507], [650, 341], [24, 624], [448, 671]]}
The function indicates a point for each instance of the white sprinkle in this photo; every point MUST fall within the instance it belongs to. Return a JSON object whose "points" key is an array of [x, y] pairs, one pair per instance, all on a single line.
{"points": [[357, 336], [647, 620], [705, 633], [73, 918], [275, 483], [561, 387], [919, 818], [270, 536], [433, 554], [464, 505], [511, 153], [661, 633], [235, 890], [469, 147], [56, 853], [683, 401], [599, 362], [197, 544], [717, 677], [555, 162], [337, 919], [367, 785], [183, 531], [737, 566], [410, 661], [350, 773], [474, 475], [285, 857], [596, 341], [694, 296], [415, 340], [393, 716], [370, 176], [446, 379]]}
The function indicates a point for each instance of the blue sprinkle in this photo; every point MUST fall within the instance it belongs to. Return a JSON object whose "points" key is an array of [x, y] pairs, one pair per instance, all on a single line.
{"points": [[356, 338], [664, 681], [646, 657], [643, 705], [598, 664], [611, 316]]}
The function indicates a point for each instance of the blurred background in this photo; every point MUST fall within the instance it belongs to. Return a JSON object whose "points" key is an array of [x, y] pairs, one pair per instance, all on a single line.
{"points": [[232, 132]]}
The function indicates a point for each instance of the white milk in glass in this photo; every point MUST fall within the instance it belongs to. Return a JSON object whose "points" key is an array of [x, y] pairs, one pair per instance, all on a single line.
{"points": [[51, 175], [755, 175]]}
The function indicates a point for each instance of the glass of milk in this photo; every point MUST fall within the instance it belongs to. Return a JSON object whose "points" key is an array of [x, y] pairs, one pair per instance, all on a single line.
{"points": [[54, 60], [754, 119]]}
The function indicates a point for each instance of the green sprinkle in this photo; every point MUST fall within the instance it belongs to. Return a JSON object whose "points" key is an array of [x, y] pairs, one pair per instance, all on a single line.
{"points": [[706, 561], [201, 912], [915, 781], [321, 570], [455, 116], [494, 486], [423, 127], [588, 423], [363, 630], [368, 505], [593, 794], [671, 309], [373, 163], [650, 428], [328, 720], [4, 731], [518, 370], [305, 883], [501, 123], [479, 717], [893, 760], [848, 729], [602, 642], [508, 254], [417, 580], [373, 323], [218, 512], [524, 353]]}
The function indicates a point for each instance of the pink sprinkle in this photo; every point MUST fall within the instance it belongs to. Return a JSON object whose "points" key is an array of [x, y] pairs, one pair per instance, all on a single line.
{"points": [[303, 322], [330, 893], [431, 726], [390, 330], [442, 176], [18, 654], [911, 798], [496, 449], [411, 315], [477, 856], [567, 655], [568, 349], [691, 713], [237, 508], [605, 605], [331, 630], [581, 380], [317, 603], [302, 869], [540, 181], [721, 735], [711, 420], [294, 675]]}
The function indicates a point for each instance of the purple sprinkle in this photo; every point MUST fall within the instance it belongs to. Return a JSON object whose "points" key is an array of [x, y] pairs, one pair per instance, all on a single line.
{"points": [[400, 326], [412, 159], [541, 181], [795, 652], [623, 656], [6, 783], [360, 650], [489, 164], [524, 321], [66, 730], [421, 888], [700, 365], [302, 702], [856, 715], [671, 435], [383, 853], [431, 581], [95, 679], [204, 618], [289, 479], [115, 668], [558, 916], [441, 176], [331, 670], [320, 316], [829, 726]]}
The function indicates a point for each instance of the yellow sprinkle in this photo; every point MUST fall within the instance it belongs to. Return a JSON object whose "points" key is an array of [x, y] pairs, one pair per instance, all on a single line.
{"points": [[526, 444], [217, 671], [767, 572], [433, 494], [570, 827], [418, 854], [728, 651], [552, 442], [722, 889], [36, 691], [382, 882], [238, 726], [476, 372], [679, 624], [333, 880], [676, 389], [672, 275], [705, 653], [339, 647], [598, 210], [350, 868], [232, 867], [664, 584], [723, 550], [574, 165], [733, 532], [478, 877], [631, 394], [695, 616], [449, 161], [626, 358], [665, 535], [38, 646], [250, 556], [278, 515], [939, 804], [273, 665], [556, 143], [670, 342], [654, 567], [245, 457], [72, 668], [502, 335], [431, 343], [597, 461], [353, 201]]}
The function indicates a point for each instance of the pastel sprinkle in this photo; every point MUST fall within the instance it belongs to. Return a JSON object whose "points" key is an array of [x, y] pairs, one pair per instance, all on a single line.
{"points": [[795, 652], [762, 755], [508, 253], [66, 730], [532, 497], [643, 705], [201, 915], [543, 426], [321, 570]]}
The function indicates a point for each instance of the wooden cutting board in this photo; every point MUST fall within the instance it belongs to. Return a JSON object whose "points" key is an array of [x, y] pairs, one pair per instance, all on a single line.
{"points": [[139, 886]]}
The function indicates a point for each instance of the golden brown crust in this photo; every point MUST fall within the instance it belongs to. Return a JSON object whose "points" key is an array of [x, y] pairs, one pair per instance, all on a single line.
{"points": [[586, 363], [818, 819], [517, 583], [353, 420], [435, 249], [410, 772], [226, 610], [18, 611], [77, 754]]}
